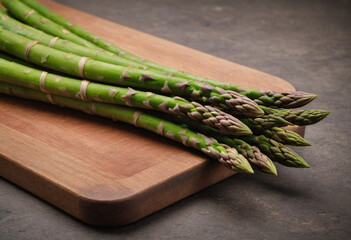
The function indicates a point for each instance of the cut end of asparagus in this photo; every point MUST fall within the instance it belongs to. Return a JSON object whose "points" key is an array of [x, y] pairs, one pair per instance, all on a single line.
{"points": [[242, 105], [236, 161]]}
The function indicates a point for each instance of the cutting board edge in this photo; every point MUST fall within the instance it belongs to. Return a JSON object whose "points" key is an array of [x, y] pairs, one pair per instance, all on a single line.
{"points": [[98, 211], [141, 204]]}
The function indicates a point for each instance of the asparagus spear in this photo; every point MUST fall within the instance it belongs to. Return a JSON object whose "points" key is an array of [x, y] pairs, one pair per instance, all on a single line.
{"points": [[227, 156], [25, 13], [276, 151], [284, 136], [257, 125], [298, 117], [126, 76], [268, 98], [251, 153], [66, 46], [24, 30], [55, 84]]}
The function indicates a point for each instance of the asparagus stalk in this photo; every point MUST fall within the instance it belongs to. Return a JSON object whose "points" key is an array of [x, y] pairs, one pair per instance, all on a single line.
{"points": [[4, 12], [24, 30], [298, 117], [284, 136], [227, 156], [276, 151], [21, 75], [29, 15], [251, 153], [10, 58], [126, 76], [268, 98]]}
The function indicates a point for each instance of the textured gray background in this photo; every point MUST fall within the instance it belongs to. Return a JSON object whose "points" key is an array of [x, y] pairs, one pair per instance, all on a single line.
{"points": [[307, 43]]}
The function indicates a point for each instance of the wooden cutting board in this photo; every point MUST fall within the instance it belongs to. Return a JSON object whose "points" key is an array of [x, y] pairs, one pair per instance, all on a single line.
{"points": [[104, 172]]}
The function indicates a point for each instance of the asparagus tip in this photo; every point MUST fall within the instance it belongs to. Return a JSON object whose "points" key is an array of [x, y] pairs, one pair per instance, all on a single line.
{"points": [[246, 130], [258, 112], [243, 165], [300, 99], [323, 114], [238, 162], [270, 167], [303, 142], [254, 111], [304, 164], [299, 162]]}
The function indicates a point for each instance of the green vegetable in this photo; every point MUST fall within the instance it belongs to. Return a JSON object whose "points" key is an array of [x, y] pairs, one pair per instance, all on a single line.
{"points": [[251, 153], [24, 30], [257, 125], [284, 136], [21, 75], [289, 99], [298, 117], [227, 156], [125, 76], [276, 151]]}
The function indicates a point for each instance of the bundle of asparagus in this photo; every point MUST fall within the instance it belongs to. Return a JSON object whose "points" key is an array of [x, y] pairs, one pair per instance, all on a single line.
{"points": [[239, 127]]}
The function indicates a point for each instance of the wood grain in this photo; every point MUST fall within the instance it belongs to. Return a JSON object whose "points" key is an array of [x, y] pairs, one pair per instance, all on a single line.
{"points": [[103, 172]]}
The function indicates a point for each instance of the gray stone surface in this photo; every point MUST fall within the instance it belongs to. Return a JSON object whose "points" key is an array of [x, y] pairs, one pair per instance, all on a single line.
{"points": [[306, 42]]}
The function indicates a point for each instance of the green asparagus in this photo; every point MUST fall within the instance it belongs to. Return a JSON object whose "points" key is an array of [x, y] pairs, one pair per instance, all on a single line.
{"points": [[251, 153], [126, 76], [268, 98], [298, 117], [257, 125], [276, 151], [284, 136], [227, 156], [25, 13], [24, 30], [55, 84]]}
